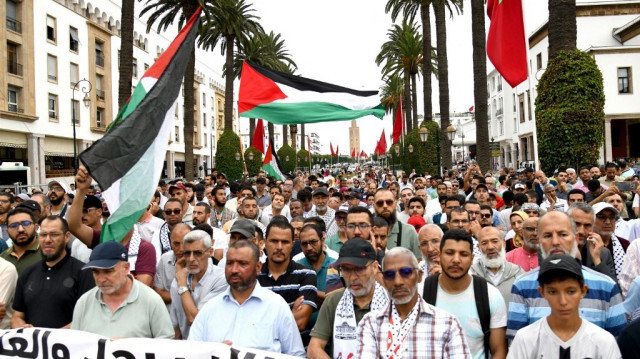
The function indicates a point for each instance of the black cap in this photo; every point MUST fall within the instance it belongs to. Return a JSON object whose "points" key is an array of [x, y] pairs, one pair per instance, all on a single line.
{"points": [[357, 252], [560, 264], [30, 204], [354, 194], [245, 227], [92, 202], [106, 255], [320, 190], [482, 185], [528, 170]]}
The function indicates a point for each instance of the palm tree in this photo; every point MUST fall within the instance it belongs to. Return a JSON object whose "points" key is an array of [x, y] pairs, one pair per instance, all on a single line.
{"points": [[402, 53], [480, 84], [439, 7], [228, 22], [391, 92], [562, 26], [165, 12], [409, 9], [126, 51]]}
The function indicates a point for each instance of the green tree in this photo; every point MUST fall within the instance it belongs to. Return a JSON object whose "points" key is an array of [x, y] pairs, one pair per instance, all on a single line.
{"points": [[126, 51], [228, 146], [287, 157], [303, 159], [253, 165], [570, 111], [480, 84]]}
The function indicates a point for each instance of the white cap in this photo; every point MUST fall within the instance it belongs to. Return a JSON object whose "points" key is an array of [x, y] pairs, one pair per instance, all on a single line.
{"points": [[601, 206]]}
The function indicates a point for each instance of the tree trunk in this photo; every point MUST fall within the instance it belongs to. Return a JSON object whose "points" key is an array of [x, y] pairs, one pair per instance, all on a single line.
{"points": [[443, 79], [406, 99], [126, 52], [252, 129], [271, 137], [228, 86], [562, 26], [414, 101], [480, 84], [189, 102], [303, 138], [294, 137], [426, 56], [285, 135]]}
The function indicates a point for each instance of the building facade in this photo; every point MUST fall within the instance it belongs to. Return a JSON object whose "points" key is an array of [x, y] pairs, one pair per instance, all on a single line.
{"points": [[61, 65]]}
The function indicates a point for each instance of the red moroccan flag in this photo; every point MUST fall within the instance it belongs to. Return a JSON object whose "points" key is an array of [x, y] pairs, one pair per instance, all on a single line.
{"points": [[382, 144], [398, 123], [331, 148], [506, 43], [353, 153], [258, 137], [470, 109]]}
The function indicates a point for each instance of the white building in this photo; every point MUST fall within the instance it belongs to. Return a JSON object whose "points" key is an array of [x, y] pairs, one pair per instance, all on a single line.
{"points": [[52, 46], [608, 31]]}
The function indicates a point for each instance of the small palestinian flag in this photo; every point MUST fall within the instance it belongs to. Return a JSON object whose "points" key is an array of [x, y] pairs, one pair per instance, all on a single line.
{"points": [[271, 164], [127, 162], [285, 99]]}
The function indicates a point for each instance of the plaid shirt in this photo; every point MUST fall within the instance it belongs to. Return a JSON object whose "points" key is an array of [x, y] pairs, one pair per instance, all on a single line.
{"points": [[436, 334]]}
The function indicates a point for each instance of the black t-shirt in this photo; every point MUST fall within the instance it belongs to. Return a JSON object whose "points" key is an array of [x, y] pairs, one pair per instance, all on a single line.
{"points": [[47, 295], [629, 340]]}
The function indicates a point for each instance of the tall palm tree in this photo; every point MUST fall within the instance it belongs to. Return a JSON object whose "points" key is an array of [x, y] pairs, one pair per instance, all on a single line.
{"points": [[562, 26], [391, 92], [164, 12], [439, 7], [126, 51], [402, 53], [480, 84], [228, 22], [409, 9]]}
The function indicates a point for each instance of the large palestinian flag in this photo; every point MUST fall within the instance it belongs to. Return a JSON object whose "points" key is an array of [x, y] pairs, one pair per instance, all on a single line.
{"points": [[271, 164], [128, 160], [285, 99]]}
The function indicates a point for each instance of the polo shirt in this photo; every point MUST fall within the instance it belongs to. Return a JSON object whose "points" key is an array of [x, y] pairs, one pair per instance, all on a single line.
{"points": [[263, 200], [321, 277], [409, 238], [296, 281], [334, 242], [141, 315], [31, 256], [47, 295], [165, 272]]}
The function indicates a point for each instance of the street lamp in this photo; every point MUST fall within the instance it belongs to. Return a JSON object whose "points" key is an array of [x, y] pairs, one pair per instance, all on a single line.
{"points": [[450, 132], [86, 89], [424, 133], [410, 148], [250, 156], [286, 158], [237, 156]]}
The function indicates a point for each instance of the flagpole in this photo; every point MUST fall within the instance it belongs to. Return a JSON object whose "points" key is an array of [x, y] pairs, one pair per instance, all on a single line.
{"points": [[533, 112]]}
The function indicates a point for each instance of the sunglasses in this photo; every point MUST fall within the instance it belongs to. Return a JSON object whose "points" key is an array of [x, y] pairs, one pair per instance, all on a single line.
{"points": [[388, 202], [196, 254], [485, 215], [170, 212], [405, 272]]}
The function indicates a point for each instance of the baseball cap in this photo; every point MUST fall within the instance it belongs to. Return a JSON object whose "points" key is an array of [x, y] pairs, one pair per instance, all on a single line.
{"points": [[54, 182], [519, 186], [482, 185], [560, 264], [528, 170], [177, 186], [30, 204], [92, 201], [344, 208], [321, 191], [354, 194], [24, 196], [530, 206], [601, 206], [357, 252], [106, 255], [245, 227]]}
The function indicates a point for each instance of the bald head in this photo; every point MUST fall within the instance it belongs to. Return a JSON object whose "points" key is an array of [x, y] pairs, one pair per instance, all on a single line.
{"points": [[488, 231], [177, 237]]}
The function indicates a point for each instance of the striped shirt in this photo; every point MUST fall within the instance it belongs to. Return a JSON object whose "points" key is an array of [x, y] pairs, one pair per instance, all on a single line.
{"points": [[436, 334], [602, 305], [297, 281]]}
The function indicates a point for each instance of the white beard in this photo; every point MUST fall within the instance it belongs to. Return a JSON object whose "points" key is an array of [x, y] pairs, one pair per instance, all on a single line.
{"points": [[496, 262]]}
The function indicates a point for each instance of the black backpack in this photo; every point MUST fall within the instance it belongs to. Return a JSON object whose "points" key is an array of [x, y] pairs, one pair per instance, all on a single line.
{"points": [[481, 294]]}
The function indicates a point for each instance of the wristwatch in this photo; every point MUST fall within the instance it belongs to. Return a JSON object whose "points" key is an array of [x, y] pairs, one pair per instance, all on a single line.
{"points": [[182, 290]]}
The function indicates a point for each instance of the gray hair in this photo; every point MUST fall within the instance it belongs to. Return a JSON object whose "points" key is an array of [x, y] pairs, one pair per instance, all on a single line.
{"points": [[198, 235], [400, 251], [45, 199], [430, 226], [548, 185], [583, 207]]}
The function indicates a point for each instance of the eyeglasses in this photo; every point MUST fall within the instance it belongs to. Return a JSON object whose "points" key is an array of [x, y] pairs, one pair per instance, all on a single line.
{"points": [[5, 201], [51, 235], [350, 270], [311, 243], [170, 212], [15, 225], [529, 229], [388, 202], [362, 226], [87, 210], [196, 254], [485, 215], [604, 217], [341, 218], [405, 272], [458, 221], [56, 189]]}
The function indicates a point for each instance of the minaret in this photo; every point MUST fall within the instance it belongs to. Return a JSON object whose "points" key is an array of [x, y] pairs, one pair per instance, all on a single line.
{"points": [[354, 138]]}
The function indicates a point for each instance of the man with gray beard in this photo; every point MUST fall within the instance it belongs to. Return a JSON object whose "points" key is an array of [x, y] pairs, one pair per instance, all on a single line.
{"points": [[527, 256], [493, 265]]}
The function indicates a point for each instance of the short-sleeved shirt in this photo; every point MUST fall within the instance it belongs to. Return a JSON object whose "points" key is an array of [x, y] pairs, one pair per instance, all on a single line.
{"points": [[47, 295], [409, 238], [297, 281], [141, 315], [31, 256], [321, 274], [463, 306], [334, 243], [146, 259]]}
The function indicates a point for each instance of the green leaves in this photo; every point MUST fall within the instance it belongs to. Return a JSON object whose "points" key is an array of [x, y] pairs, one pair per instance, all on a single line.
{"points": [[227, 147], [287, 157]]}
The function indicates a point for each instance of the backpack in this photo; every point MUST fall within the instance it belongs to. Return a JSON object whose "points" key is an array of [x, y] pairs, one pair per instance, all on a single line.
{"points": [[481, 294]]}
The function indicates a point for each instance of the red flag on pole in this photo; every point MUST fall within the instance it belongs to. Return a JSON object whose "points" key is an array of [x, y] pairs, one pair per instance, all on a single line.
{"points": [[381, 148], [331, 148], [506, 42], [337, 153], [398, 123], [353, 153], [362, 154], [470, 109], [258, 137]]}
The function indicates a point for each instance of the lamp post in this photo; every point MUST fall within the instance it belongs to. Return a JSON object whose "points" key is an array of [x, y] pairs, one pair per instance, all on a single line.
{"points": [[450, 132], [424, 136], [397, 149], [86, 89]]}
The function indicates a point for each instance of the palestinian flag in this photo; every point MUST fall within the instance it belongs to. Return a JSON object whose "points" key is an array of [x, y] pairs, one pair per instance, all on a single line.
{"points": [[271, 164], [286, 99], [128, 160]]}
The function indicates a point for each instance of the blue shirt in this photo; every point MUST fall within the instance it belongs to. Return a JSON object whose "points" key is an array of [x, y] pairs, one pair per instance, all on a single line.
{"points": [[321, 274], [602, 305], [264, 321]]}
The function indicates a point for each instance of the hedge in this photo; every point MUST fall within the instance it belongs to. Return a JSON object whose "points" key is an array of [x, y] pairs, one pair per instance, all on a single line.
{"points": [[283, 152], [253, 166], [227, 147]]}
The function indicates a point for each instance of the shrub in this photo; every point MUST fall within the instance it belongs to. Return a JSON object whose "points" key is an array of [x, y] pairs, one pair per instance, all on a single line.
{"points": [[253, 166], [284, 152], [227, 147]]}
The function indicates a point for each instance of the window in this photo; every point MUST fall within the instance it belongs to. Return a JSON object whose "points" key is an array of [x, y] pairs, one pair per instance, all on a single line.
{"points": [[73, 39], [13, 94], [99, 117], [521, 102], [539, 61], [13, 66], [75, 111], [514, 103], [529, 105], [134, 63], [212, 104], [624, 77], [12, 15], [177, 134], [205, 141], [51, 29], [204, 120], [204, 99], [73, 74], [52, 68], [146, 67], [499, 83], [53, 106], [99, 55], [99, 90]]}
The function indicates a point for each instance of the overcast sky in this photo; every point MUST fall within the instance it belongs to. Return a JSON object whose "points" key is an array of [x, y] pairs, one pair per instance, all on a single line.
{"points": [[337, 41]]}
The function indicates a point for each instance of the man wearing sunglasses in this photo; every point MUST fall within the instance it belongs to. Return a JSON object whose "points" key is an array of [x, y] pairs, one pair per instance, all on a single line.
{"points": [[343, 309], [173, 214], [606, 217], [22, 227], [401, 235], [408, 324]]}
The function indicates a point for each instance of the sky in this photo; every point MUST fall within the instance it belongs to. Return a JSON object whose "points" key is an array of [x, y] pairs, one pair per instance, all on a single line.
{"points": [[336, 41]]}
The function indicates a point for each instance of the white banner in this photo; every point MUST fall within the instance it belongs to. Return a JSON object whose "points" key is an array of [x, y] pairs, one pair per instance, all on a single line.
{"points": [[71, 344]]}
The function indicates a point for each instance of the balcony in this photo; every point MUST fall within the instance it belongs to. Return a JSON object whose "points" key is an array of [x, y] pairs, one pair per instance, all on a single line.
{"points": [[100, 94], [14, 108], [100, 60], [13, 67], [14, 25]]}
